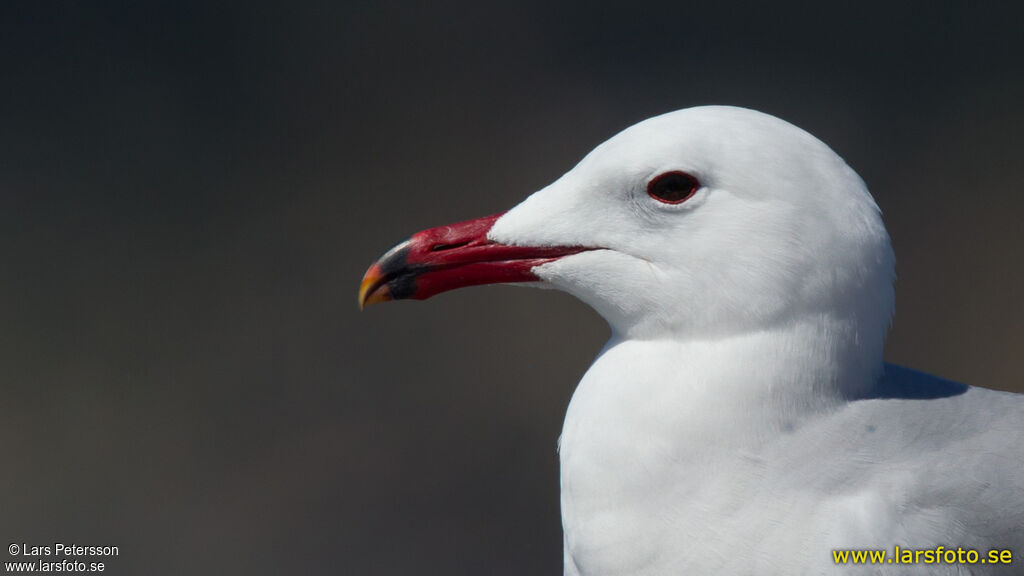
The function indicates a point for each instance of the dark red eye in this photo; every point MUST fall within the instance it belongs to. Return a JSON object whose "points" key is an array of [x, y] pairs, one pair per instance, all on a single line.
{"points": [[673, 187]]}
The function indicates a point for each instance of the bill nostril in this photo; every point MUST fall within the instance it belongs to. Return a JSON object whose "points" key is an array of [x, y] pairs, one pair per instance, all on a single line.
{"points": [[442, 247]]}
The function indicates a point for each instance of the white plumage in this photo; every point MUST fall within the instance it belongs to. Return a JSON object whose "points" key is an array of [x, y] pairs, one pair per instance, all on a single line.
{"points": [[740, 420]]}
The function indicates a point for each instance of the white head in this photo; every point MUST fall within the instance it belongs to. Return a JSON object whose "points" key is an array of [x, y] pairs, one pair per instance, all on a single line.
{"points": [[702, 224], [779, 229]]}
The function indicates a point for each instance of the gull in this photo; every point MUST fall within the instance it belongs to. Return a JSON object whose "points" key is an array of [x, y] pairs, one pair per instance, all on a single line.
{"points": [[740, 419]]}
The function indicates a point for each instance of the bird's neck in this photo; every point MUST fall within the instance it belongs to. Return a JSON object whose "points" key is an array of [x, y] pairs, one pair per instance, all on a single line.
{"points": [[663, 424], [732, 387]]}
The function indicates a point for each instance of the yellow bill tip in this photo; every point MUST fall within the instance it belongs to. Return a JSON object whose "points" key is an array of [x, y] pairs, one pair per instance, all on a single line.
{"points": [[371, 289]]}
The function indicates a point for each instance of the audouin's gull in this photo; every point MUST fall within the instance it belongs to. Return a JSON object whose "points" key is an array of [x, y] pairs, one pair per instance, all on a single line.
{"points": [[740, 420]]}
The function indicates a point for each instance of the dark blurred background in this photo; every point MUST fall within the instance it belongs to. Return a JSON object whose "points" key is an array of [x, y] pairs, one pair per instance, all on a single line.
{"points": [[192, 191]]}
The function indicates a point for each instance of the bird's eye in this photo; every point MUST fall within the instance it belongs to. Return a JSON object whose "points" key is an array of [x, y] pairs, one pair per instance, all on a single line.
{"points": [[673, 187]]}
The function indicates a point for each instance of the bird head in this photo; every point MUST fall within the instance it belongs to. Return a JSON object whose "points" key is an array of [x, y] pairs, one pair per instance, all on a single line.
{"points": [[706, 221]]}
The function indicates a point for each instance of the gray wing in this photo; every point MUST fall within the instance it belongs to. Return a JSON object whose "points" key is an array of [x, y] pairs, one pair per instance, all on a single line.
{"points": [[961, 446]]}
